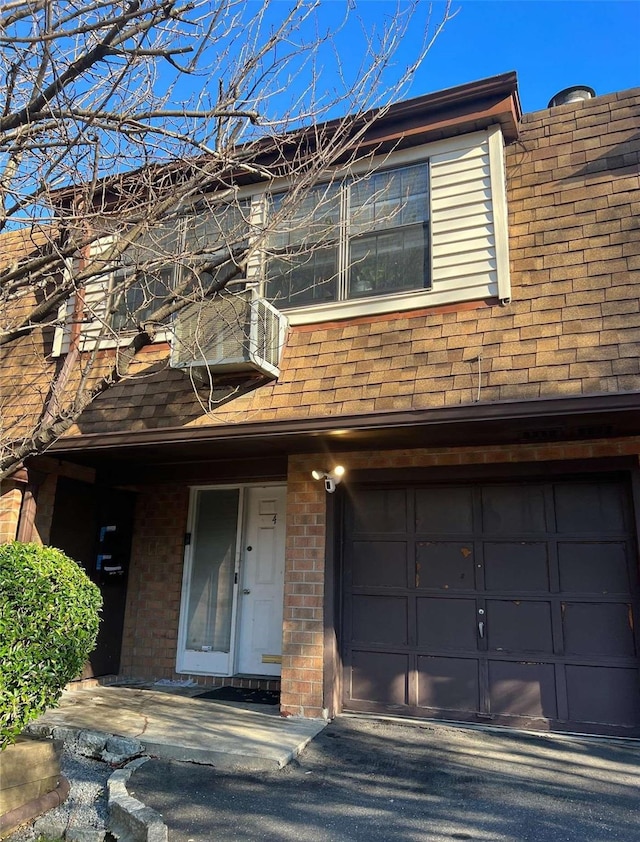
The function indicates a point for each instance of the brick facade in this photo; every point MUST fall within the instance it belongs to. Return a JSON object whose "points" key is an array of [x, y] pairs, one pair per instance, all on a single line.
{"points": [[155, 580]]}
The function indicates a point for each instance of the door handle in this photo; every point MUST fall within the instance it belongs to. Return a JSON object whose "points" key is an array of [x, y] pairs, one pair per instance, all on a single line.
{"points": [[246, 590], [481, 629]]}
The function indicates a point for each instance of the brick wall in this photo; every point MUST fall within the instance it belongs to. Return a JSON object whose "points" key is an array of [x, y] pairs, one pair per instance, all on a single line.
{"points": [[155, 580], [303, 627]]}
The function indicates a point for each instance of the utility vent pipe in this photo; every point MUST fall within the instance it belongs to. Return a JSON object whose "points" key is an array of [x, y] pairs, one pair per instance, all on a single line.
{"points": [[574, 94]]}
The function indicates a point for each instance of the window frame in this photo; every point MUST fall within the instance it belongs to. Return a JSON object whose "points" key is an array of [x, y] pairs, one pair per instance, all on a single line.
{"points": [[344, 239], [431, 296]]}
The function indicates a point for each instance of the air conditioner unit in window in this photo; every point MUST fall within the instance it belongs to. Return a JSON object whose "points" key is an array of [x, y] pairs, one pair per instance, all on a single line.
{"points": [[231, 332]]}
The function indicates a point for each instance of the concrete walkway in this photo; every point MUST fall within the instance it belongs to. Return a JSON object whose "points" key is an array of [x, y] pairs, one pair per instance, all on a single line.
{"points": [[175, 727]]}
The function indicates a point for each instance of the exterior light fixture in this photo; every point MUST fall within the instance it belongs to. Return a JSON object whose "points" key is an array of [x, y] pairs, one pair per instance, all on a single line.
{"points": [[331, 478]]}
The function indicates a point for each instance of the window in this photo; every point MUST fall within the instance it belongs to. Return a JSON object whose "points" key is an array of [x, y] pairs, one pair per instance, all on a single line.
{"points": [[357, 239], [182, 255], [153, 260], [302, 251]]}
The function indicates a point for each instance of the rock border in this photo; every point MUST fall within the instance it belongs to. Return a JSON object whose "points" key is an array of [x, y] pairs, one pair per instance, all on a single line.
{"points": [[129, 819]]}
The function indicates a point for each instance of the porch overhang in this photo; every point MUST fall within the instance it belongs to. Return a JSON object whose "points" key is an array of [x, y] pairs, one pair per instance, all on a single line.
{"points": [[153, 455]]}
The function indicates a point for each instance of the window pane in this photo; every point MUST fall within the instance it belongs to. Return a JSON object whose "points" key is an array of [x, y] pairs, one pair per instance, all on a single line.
{"points": [[160, 243], [302, 248], [216, 239], [218, 227], [153, 260], [132, 302], [390, 199], [212, 573], [387, 262], [389, 235]]}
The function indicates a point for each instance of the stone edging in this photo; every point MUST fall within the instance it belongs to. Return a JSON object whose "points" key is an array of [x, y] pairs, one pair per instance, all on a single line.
{"points": [[129, 819]]}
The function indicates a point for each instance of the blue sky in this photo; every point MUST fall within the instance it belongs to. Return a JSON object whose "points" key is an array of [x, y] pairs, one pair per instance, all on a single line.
{"points": [[551, 44]]}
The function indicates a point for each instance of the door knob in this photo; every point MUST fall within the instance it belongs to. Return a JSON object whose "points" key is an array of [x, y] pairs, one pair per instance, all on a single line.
{"points": [[481, 629], [246, 590]]}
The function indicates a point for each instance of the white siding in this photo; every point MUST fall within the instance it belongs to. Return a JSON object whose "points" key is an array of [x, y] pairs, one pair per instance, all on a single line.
{"points": [[463, 246]]}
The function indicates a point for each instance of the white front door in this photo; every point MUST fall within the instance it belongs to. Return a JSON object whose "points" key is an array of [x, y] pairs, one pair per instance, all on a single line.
{"points": [[262, 593], [233, 584]]}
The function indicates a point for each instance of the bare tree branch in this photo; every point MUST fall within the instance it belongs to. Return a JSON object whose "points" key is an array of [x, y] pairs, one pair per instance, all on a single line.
{"points": [[131, 134]]}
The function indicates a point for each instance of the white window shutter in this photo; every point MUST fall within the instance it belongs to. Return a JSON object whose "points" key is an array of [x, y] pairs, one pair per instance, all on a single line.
{"points": [[62, 332], [95, 324]]}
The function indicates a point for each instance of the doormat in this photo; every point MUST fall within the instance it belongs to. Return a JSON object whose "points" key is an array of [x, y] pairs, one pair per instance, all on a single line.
{"points": [[241, 694]]}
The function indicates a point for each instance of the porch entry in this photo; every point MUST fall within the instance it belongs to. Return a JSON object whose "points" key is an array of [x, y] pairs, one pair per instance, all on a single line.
{"points": [[233, 584]]}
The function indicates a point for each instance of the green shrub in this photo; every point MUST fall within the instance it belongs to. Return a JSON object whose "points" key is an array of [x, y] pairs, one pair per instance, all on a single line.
{"points": [[49, 617]]}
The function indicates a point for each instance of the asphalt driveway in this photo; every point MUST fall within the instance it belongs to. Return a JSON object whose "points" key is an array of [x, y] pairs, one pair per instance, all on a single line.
{"points": [[379, 781]]}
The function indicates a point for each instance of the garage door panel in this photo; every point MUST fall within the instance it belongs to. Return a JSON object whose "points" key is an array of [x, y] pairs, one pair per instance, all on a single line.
{"points": [[590, 507], [598, 629], [448, 683], [379, 564], [516, 566], [380, 677], [444, 565], [513, 509], [593, 567], [379, 510], [380, 619], [603, 695], [522, 689], [444, 510], [519, 626], [446, 624]]}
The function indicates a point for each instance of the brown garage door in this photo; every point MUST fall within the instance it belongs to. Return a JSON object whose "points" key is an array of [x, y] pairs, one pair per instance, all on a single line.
{"points": [[512, 603]]}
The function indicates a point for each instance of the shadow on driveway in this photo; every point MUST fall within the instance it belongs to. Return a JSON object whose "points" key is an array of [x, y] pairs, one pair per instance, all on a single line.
{"points": [[366, 780]]}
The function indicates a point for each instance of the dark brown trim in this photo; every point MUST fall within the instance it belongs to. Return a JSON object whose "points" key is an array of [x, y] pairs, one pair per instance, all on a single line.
{"points": [[47, 465], [332, 668], [137, 476], [468, 107], [28, 511], [19, 477], [477, 413]]}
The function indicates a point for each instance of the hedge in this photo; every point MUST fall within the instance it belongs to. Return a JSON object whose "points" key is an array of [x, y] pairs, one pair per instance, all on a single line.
{"points": [[49, 618]]}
